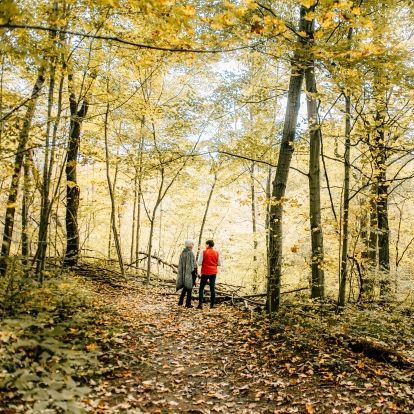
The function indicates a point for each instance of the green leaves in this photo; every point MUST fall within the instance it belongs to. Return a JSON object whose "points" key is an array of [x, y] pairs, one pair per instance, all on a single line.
{"points": [[40, 363]]}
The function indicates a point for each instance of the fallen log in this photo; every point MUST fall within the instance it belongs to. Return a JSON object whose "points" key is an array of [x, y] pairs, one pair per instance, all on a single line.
{"points": [[374, 350]]}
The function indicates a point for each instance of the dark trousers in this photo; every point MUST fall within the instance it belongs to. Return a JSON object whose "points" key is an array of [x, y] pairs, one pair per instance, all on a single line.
{"points": [[188, 300], [211, 279]]}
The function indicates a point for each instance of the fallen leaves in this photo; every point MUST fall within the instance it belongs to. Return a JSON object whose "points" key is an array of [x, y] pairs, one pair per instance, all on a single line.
{"points": [[164, 359]]}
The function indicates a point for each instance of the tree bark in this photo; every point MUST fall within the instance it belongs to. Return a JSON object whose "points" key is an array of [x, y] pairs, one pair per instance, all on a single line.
{"points": [[315, 137], [18, 163], [267, 226], [203, 221], [77, 116], [139, 195], [383, 234], [134, 208], [254, 226], [281, 176], [44, 209], [111, 195], [25, 211], [345, 206]]}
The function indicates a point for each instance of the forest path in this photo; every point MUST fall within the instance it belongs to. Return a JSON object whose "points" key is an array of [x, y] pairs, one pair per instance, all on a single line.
{"points": [[219, 361], [195, 361]]}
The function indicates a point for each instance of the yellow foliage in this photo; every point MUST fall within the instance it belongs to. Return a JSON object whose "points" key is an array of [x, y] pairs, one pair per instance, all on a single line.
{"points": [[308, 3]]}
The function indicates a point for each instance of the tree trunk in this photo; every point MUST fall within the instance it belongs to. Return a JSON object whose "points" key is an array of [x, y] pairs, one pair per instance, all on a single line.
{"points": [[18, 163], [254, 227], [315, 137], [268, 206], [44, 208], [203, 222], [72, 188], [112, 217], [152, 224], [383, 235], [25, 211], [345, 208], [111, 195], [134, 208], [139, 196], [281, 177]]}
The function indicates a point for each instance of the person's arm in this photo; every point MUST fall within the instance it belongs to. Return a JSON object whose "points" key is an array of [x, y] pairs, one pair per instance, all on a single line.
{"points": [[200, 258]]}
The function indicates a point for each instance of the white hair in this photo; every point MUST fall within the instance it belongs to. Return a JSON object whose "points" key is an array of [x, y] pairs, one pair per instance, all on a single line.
{"points": [[188, 243]]}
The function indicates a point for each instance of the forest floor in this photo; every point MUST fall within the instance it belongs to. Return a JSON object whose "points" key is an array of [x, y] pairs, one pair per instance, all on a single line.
{"points": [[225, 360], [128, 349]]}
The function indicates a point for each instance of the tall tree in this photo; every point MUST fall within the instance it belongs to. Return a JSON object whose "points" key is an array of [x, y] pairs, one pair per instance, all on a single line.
{"points": [[282, 170], [18, 164], [315, 138], [78, 111]]}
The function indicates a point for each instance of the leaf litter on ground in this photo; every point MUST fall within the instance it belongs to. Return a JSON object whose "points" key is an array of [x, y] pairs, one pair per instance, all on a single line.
{"points": [[153, 356]]}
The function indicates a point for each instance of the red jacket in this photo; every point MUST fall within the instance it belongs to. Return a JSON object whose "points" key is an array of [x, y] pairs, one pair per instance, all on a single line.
{"points": [[210, 259]]}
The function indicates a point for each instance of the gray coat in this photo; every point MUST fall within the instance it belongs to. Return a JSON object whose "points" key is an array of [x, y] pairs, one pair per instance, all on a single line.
{"points": [[186, 265]]}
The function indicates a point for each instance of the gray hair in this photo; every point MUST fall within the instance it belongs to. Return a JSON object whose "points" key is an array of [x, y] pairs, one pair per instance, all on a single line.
{"points": [[188, 243]]}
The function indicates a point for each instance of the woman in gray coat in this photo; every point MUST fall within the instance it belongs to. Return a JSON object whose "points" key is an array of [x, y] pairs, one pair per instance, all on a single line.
{"points": [[187, 273]]}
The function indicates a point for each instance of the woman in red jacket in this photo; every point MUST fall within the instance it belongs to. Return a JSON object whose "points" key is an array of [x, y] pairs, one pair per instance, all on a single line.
{"points": [[208, 259]]}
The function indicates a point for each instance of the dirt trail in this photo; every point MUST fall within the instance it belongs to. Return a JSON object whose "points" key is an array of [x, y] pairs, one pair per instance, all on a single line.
{"points": [[218, 361]]}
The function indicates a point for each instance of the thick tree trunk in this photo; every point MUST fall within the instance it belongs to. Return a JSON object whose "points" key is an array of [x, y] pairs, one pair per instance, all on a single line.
{"points": [[315, 137], [72, 188], [281, 177], [345, 207], [18, 163]]}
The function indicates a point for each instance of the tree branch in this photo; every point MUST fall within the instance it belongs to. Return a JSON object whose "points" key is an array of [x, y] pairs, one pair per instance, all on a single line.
{"points": [[122, 41]]}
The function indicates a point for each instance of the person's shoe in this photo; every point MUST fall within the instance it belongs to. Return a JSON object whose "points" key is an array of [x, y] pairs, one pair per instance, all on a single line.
{"points": [[200, 307], [189, 306], [180, 303]]}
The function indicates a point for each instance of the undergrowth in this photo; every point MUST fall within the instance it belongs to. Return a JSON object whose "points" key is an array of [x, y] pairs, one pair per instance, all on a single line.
{"points": [[315, 328], [50, 344]]}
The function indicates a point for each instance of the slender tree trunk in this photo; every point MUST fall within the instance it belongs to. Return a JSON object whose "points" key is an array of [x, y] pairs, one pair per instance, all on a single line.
{"points": [[345, 207], [254, 226], [44, 209], [134, 218], [150, 240], [267, 220], [315, 137], [383, 235], [370, 241], [25, 211], [112, 217], [282, 172], [152, 224], [3, 58], [77, 116], [139, 196], [111, 195], [18, 163], [203, 221], [373, 230]]}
